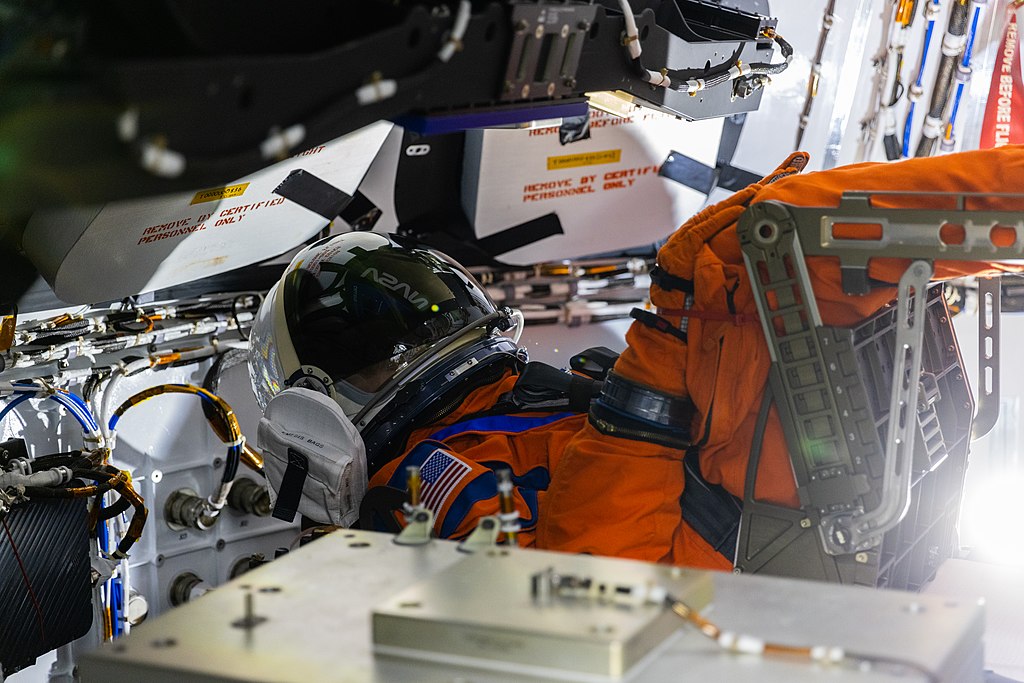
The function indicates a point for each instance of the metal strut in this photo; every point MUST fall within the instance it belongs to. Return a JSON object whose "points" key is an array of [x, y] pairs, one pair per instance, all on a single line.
{"points": [[814, 376]]}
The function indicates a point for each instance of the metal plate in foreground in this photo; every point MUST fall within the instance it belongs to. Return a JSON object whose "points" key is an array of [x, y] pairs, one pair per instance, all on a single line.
{"points": [[484, 612]]}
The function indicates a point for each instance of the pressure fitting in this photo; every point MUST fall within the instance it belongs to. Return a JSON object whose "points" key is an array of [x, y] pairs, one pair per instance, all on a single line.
{"points": [[250, 497], [185, 508], [186, 588]]}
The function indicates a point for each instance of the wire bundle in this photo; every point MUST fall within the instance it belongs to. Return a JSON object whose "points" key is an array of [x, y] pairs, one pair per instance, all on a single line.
{"points": [[749, 77], [222, 420]]}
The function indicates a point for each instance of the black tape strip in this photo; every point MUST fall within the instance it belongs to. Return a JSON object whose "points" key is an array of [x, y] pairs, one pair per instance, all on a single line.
{"points": [[360, 213], [704, 178], [735, 179], [574, 128], [670, 282], [658, 323], [732, 126], [689, 172], [522, 235], [709, 509], [310, 192], [290, 492]]}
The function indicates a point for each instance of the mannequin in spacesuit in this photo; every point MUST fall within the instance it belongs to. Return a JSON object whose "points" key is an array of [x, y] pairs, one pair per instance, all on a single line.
{"points": [[596, 463]]}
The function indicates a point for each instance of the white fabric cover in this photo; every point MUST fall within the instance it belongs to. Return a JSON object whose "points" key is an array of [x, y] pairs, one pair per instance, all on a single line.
{"points": [[314, 425]]}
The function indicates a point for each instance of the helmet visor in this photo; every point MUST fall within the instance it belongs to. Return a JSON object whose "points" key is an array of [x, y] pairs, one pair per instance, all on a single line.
{"points": [[363, 308]]}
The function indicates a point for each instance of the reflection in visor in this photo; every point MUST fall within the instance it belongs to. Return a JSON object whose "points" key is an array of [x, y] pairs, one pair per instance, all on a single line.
{"points": [[368, 309]]}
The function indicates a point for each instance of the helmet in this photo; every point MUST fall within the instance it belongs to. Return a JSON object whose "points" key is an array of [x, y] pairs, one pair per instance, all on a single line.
{"points": [[352, 310]]}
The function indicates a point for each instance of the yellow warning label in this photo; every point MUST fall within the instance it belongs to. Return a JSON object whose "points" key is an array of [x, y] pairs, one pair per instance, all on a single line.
{"points": [[215, 193], [608, 156]]}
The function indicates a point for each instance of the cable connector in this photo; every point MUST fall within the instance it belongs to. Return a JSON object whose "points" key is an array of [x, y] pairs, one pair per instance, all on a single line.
{"points": [[280, 142], [952, 45], [377, 90], [156, 158]]}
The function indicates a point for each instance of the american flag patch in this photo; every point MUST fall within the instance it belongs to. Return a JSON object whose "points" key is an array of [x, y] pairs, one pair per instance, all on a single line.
{"points": [[440, 473]]}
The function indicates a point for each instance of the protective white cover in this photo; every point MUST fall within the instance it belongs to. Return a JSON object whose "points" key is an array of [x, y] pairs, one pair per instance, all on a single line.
{"points": [[90, 254], [314, 425]]}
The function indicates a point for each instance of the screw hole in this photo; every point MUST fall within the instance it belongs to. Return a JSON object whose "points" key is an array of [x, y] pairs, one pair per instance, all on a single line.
{"points": [[359, 545], [164, 642]]}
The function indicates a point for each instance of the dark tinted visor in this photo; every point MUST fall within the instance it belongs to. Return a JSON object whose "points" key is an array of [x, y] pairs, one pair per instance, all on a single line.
{"points": [[360, 301]]}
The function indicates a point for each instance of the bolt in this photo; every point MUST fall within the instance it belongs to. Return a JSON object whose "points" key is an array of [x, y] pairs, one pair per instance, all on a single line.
{"points": [[862, 558], [551, 88], [522, 25], [565, 30], [583, 25], [539, 32], [249, 617], [221, 543], [737, 570], [526, 91], [805, 523], [570, 82]]}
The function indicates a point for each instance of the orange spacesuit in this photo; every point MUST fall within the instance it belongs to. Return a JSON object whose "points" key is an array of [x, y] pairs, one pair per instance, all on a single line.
{"points": [[580, 485]]}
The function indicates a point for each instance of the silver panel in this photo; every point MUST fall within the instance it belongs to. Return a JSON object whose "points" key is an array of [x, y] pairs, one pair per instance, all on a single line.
{"points": [[482, 611], [317, 603]]}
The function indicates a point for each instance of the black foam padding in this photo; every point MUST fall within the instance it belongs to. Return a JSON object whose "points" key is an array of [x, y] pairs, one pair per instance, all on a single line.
{"points": [[53, 543]]}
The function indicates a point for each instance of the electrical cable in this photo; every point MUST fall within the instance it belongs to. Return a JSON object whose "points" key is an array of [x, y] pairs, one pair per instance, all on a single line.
{"points": [[931, 13], [905, 12], [14, 403], [225, 424], [952, 44], [211, 382], [962, 77], [827, 19], [746, 644], [234, 313], [75, 405], [755, 75], [879, 63]]}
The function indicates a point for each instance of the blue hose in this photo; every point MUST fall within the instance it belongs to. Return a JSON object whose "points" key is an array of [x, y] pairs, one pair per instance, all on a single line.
{"points": [[918, 84], [964, 74]]}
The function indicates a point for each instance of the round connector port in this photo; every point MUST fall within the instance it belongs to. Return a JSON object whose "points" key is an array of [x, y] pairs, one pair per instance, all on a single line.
{"points": [[250, 497]]}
